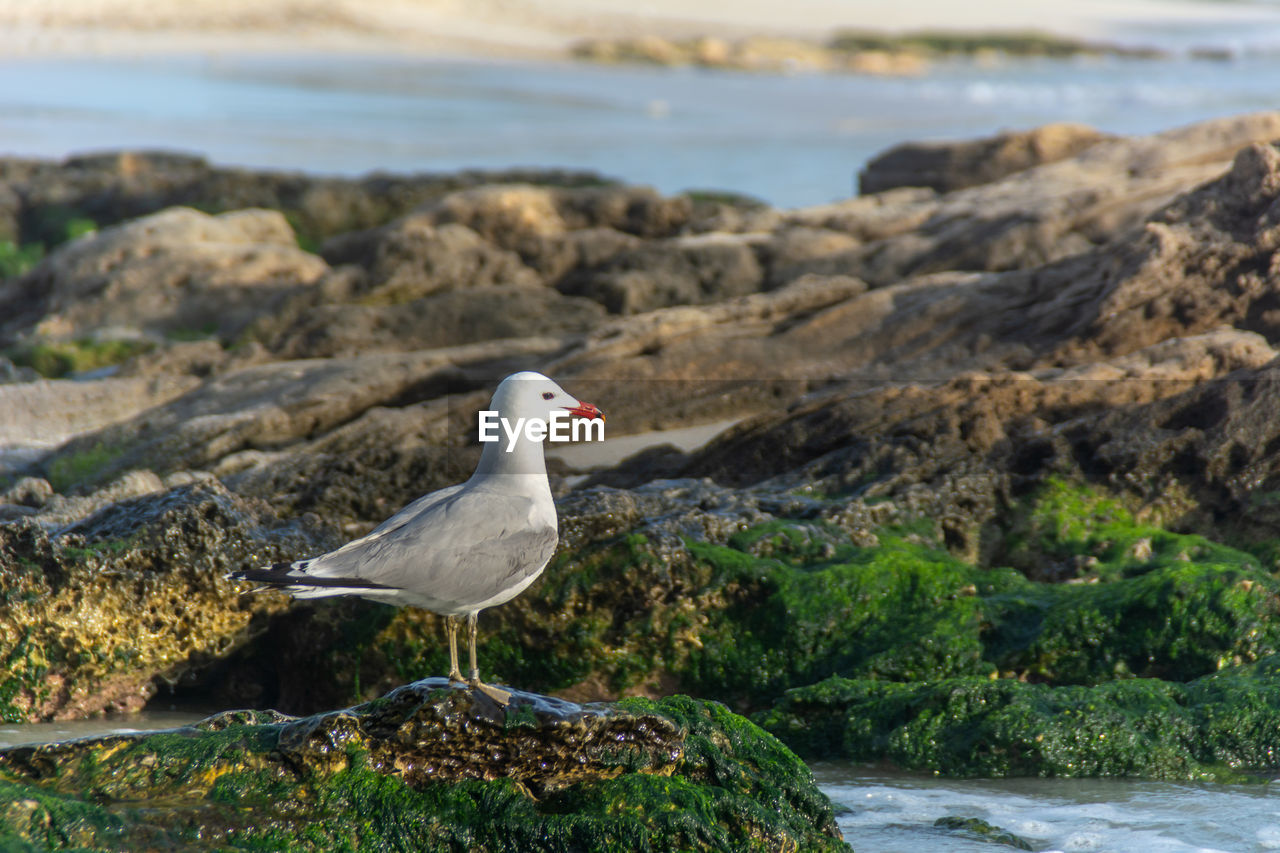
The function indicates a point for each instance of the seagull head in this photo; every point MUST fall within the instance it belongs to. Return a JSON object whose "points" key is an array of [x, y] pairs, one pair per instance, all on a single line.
{"points": [[531, 395]]}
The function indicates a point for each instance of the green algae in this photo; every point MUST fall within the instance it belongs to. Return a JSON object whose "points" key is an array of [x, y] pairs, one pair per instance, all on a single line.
{"points": [[50, 228], [1093, 535], [897, 611], [979, 830], [245, 784], [82, 466], [16, 259], [905, 611], [54, 360], [33, 819], [791, 602], [1218, 728]]}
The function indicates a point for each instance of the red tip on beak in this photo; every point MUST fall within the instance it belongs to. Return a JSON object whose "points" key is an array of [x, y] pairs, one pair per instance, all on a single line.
{"points": [[586, 410]]}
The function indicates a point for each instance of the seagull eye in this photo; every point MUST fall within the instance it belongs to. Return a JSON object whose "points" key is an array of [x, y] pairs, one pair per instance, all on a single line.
{"points": [[547, 395]]}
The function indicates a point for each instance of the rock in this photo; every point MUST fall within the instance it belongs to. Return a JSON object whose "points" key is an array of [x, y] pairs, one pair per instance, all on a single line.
{"points": [[11, 373], [1042, 214], [60, 511], [104, 609], [1206, 259], [1197, 264], [949, 166], [691, 271], [1211, 729], [113, 187], [169, 273], [440, 320], [959, 451], [887, 63], [979, 830], [510, 215], [730, 213], [431, 767], [29, 491], [411, 258], [362, 472], [199, 359], [759, 53], [691, 365], [769, 53], [45, 413], [10, 212], [798, 251], [975, 413], [742, 595], [268, 406]]}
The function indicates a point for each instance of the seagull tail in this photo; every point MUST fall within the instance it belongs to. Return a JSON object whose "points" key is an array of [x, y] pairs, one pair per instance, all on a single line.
{"points": [[293, 579]]}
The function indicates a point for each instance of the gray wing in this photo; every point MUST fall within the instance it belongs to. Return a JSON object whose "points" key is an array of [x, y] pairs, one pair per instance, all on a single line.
{"points": [[453, 551], [412, 511]]}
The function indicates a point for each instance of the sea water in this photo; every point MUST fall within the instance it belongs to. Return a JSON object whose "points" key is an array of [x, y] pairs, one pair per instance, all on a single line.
{"points": [[789, 139], [894, 812]]}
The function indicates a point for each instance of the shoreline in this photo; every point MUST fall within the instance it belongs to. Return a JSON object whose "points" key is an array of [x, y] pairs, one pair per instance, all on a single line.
{"points": [[548, 29]]}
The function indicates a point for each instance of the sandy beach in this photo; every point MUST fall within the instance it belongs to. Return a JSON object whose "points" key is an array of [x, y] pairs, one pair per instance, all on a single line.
{"points": [[546, 28]]}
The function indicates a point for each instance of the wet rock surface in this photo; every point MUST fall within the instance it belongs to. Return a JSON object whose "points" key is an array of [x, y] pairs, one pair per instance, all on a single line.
{"points": [[1019, 434], [453, 767]]}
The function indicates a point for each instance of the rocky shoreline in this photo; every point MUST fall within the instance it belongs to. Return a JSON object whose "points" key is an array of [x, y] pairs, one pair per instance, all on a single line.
{"points": [[848, 51], [1000, 496]]}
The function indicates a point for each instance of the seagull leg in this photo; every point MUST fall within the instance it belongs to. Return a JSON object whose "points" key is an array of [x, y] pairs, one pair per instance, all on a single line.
{"points": [[502, 697], [451, 629]]}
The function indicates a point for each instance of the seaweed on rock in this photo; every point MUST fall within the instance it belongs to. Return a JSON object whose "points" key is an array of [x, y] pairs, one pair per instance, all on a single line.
{"points": [[427, 767], [1218, 728]]}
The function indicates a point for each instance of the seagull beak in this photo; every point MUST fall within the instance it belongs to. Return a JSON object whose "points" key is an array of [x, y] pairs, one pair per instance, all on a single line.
{"points": [[586, 410]]}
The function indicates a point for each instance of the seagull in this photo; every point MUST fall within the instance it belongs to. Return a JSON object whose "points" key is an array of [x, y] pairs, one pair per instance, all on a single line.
{"points": [[463, 548]]}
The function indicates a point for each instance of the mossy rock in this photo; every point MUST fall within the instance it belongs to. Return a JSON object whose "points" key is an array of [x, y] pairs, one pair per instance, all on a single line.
{"points": [[94, 616], [427, 767], [54, 360], [1221, 728], [979, 830], [791, 602]]}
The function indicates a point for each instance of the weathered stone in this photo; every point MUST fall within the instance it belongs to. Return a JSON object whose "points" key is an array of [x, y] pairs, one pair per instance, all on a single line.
{"points": [[101, 611], [172, 272], [46, 413], [411, 257], [431, 767], [436, 321], [690, 271], [1042, 214], [509, 215], [794, 252], [268, 406], [948, 166], [113, 187]]}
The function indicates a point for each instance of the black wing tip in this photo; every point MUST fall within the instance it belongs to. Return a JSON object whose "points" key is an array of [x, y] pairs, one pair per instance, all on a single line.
{"points": [[278, 577], [276, 573], [275, 576]]}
